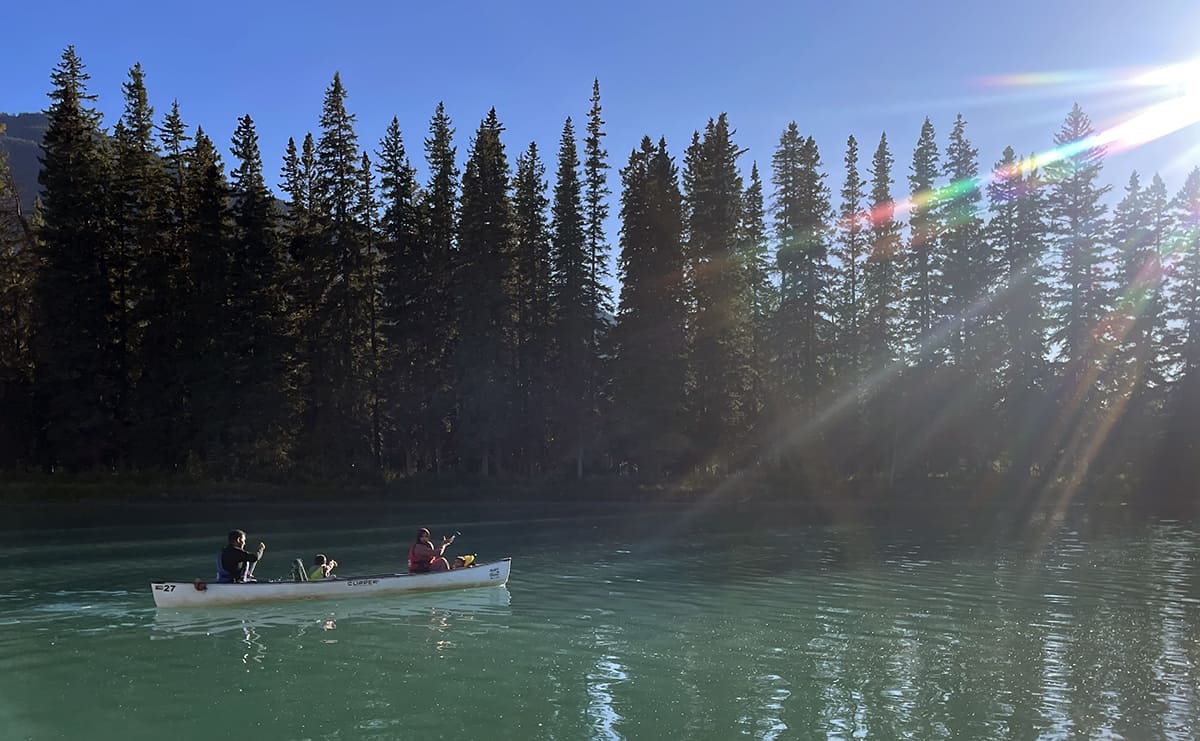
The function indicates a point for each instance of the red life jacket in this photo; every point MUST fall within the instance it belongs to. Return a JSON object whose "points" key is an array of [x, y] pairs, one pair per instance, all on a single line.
{"points": [[414, 563]]}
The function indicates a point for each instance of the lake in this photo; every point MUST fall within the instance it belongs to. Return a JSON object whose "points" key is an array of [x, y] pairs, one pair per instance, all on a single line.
{"points": [[665, 622]]}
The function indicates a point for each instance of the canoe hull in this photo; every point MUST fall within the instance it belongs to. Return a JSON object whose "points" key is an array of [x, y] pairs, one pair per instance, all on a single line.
{"points": [[185, 594]]}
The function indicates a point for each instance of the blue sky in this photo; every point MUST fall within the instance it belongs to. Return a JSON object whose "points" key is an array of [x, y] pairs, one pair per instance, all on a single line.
{"points": [[835, 67]]}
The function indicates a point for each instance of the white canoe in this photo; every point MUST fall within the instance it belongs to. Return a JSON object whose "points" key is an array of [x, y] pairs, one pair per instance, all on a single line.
{"points": [[200, 593]]}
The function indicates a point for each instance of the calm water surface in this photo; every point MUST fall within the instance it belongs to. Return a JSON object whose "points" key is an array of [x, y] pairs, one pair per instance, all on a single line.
{"points": [[666, 624]]}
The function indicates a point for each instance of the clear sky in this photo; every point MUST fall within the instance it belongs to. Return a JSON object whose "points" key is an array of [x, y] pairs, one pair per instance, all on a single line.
{"points": [[836, 67]]}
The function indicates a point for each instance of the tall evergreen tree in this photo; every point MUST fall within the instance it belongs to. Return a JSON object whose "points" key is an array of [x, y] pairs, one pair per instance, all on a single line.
{"points": [[802, 217], [851, 250], [968, 268], [366, 215], [440, 219], [408, 318], [211, 329], [485, 310], [310, 278], [140, 276], [343, 433], [722, 342], [261, 428], [882, 271], [924, 264], [1083, 328], [1077, 211], [1140, 236], [17, 267], [532, 338], [595, 197], [650, 336], [76, 367], [1181, 452], [882, 299], [573, 310], [1018, 238], [753, 252]]}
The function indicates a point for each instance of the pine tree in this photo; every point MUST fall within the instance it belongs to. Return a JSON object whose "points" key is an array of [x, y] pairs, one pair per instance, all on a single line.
{"points": [[722, 341], [343, 434], [532, 308], [310, 280], [882, 271], [1083, 330], [1077, 211], [137, 265], [76, 368], [209, 325], [968, 269], [1182, 447], [851, 250], [882, 300], [802, 217], [440, 219], [924, 264], [595, 197], [366, 216], [485, 311], [1017, 234], [572, 308], [650, 335], [17, 266], [754, 254], [407, 312], [1140, 234], [261, 428]]}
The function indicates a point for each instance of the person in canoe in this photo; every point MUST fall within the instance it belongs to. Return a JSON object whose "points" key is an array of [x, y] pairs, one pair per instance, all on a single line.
{"points": [[236, 564], [322, 567], [424, 557]]}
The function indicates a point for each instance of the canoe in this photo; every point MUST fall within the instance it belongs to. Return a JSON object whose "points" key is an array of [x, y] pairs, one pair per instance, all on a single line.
{"points": [[200, 593]]}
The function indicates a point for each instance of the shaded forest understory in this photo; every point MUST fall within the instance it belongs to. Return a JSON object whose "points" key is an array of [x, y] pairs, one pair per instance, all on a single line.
{"points": [[163, 318]]}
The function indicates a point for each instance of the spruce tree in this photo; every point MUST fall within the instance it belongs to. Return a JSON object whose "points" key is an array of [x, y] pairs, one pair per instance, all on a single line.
{"points": [[882, 271], [924, 263], [1083, 330], [440, 219], [1140, 235], [17, 266], [1181, 451], [76, 368], [342, 435], [802, 218], [407, 313], [968, 267], [572, 307], [366, 215], [1018, 239], [532, 338], [261, 428], [1076, 211], [851, 250], [209, 326], [595, 197], [650, 335], [722, 342], [753, 253], [140, 277], [882, 299], [484, 269]]}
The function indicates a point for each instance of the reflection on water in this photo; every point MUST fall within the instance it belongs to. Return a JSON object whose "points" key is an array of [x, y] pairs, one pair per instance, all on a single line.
{"points": [[444, 610]]}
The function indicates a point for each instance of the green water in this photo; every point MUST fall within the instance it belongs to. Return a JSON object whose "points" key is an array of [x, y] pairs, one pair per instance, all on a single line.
{"points": [[664, 624]]}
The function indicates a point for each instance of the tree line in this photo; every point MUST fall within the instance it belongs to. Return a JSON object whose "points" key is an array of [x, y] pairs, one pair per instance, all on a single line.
{"points": [[162, 312]]}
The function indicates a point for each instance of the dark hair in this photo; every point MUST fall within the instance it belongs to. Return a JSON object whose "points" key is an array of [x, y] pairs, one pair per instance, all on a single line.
{"points": [[320, 560], [235, 534]]}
